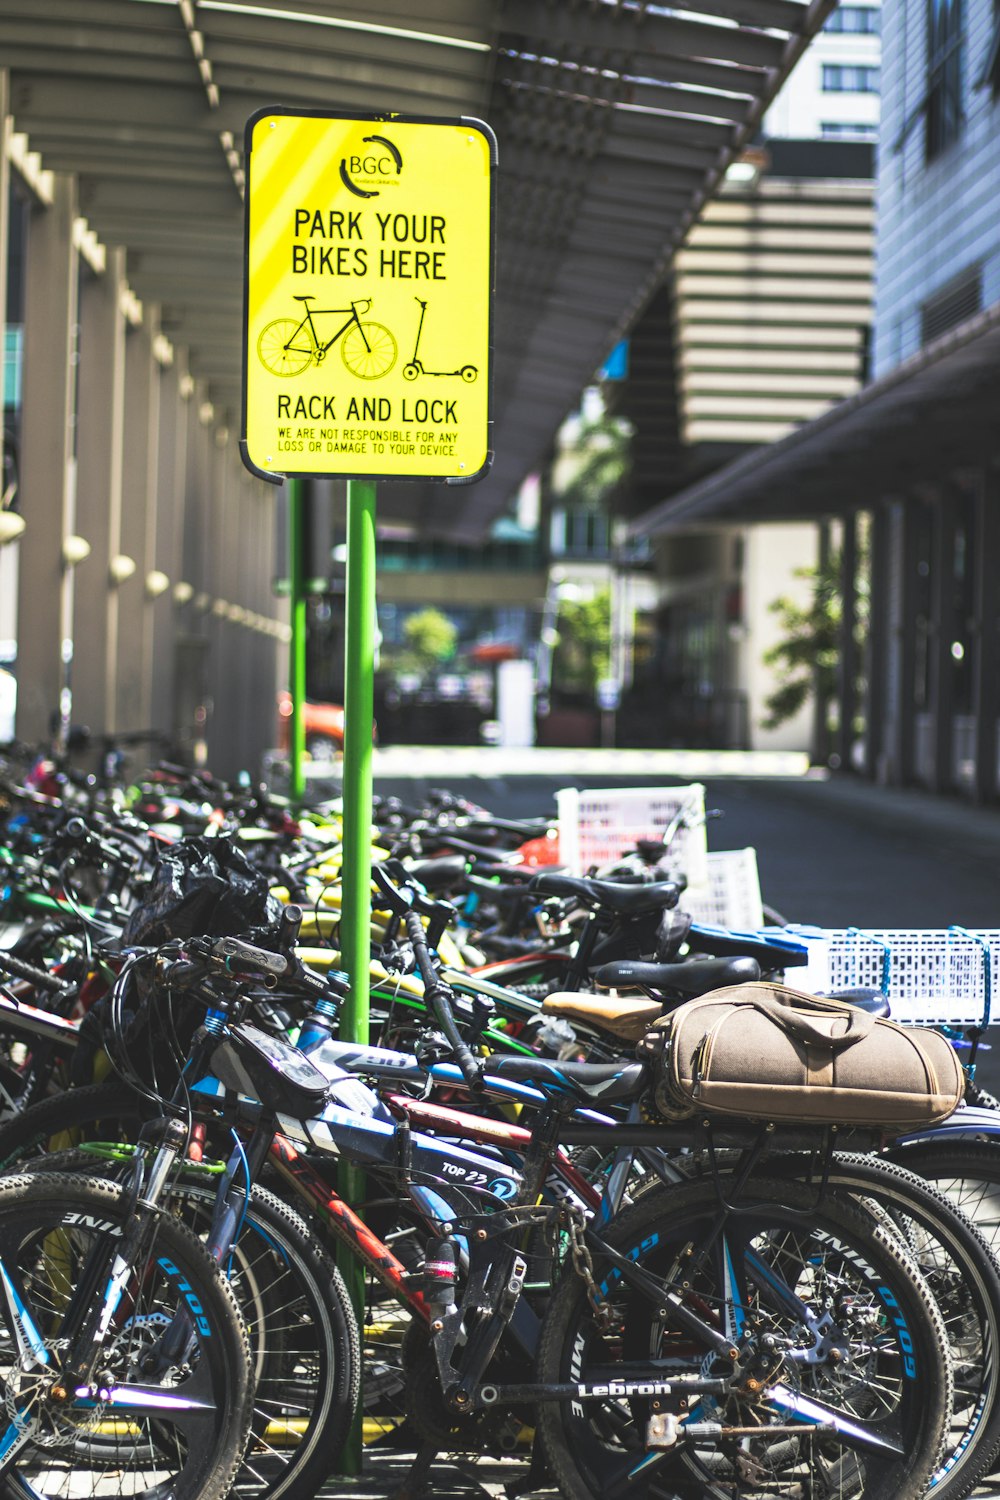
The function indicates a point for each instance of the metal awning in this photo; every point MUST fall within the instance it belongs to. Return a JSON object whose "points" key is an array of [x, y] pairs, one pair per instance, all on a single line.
{"points": [[920, 421], [615, 120]]}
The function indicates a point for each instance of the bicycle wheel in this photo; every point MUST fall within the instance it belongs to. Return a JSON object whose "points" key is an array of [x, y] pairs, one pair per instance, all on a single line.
{"points": [[158, 1424], [304, 1345], [959, 1268], [856, 1404], [99, 1112], [275, 353], [967, 1173], [303, 1335], [368, 350]]}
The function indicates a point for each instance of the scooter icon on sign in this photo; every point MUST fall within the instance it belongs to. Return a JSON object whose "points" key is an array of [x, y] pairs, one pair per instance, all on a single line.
{"points": [[417, 367]]}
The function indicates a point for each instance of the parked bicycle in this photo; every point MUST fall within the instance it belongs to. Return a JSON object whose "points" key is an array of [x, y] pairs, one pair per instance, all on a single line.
{"points": [[746, 1333]]}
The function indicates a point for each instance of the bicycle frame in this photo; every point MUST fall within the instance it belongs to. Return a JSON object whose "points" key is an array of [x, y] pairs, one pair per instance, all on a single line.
{"points": [[317, 343]]}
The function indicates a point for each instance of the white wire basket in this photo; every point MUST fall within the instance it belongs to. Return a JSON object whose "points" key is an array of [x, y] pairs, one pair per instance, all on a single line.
{"points": [[731, 896], [597, 827], [930, 976]]}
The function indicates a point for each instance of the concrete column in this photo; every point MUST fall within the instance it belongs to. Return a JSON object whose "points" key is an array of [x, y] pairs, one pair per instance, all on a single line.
{"points": [[986, 662], [167, 543], [45, 602], [848, 644], [262, 724], [226, 665], [942, 635], [100, 426], [878, 634], [213, 585], [5, 125], [208, 550], [8, 553], [142, 403], [190, 681], [247, 700], [260, 717], [906, 729]]}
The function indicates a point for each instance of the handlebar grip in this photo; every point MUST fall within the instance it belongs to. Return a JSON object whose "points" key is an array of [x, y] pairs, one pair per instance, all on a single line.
{"points": [[12, 965]]}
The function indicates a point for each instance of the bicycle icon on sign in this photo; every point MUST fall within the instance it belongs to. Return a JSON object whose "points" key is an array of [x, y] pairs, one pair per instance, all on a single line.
{"points": [[287, 348]]}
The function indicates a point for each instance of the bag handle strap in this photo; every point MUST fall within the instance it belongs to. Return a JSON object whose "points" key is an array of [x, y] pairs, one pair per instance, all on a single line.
{"points": [[859, 1023]]}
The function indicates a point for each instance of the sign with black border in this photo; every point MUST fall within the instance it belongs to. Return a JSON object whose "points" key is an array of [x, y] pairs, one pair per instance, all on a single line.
{"points": [[368, 296]]}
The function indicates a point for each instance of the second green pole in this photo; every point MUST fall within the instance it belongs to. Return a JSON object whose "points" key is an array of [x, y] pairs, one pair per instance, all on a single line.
{"points": [[356, 870]]}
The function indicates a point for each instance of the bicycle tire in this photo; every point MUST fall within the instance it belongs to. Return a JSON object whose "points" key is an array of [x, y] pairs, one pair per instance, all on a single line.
{"points": [[99, 1111], [962, 1273], [49, 1226], [368, 350], [275, 1244], [599, 1448], [305, 1348], [274, 353], [967, 1173]]}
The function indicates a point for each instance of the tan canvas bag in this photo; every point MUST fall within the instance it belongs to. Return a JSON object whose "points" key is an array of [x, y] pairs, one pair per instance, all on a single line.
{"points": [[767, 1052]]}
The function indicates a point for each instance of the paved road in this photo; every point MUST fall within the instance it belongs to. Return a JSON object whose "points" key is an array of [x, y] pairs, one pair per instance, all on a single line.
{"points": [[831, 851]]}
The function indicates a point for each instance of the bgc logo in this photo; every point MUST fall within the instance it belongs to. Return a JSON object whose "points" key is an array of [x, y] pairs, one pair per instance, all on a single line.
{"points": [[383, 163]]}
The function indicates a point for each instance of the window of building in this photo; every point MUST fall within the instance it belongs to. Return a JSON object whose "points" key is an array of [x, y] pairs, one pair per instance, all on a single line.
{"points": [[866, 19], [850, 78], [944, 74], [847, 130]]}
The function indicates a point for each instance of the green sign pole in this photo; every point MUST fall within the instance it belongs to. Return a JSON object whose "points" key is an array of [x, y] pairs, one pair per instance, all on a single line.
{"points": [[297, 652], [356, 870]]}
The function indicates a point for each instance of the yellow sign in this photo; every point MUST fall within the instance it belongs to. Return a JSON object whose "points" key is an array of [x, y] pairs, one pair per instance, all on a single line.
{"points": [[367, 305]]}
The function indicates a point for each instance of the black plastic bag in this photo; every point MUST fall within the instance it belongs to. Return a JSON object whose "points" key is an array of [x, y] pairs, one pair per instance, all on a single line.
{"points": [[201, 886]]}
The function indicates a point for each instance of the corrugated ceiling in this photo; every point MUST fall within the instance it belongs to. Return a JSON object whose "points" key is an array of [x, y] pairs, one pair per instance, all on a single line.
{"points": [[614, 120]]}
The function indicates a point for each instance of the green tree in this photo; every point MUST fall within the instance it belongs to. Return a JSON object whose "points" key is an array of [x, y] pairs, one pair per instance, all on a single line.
{"points": [[807, 658], [430, 636], [595, 463], [583, 649]]}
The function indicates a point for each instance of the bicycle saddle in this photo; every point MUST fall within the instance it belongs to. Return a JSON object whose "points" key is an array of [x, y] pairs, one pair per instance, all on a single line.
{"points": [[872, 1001], [697, 977], [437, 874], [629, 1017], [622, 900], [598, 1082], [303, 296]]}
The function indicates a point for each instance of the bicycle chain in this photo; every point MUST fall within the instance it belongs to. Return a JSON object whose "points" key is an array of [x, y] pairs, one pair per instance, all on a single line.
{"points": [[583, 1264]]}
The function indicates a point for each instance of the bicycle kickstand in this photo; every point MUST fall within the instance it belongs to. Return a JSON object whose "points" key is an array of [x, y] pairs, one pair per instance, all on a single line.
{"points": [[415, 1485], [534, 1477]]}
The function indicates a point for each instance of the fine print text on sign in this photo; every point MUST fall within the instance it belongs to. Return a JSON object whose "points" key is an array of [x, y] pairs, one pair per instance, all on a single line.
{"points": [[367, 302]]}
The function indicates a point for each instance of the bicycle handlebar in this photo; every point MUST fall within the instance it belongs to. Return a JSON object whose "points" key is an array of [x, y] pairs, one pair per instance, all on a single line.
{"points": [[438, 997]]}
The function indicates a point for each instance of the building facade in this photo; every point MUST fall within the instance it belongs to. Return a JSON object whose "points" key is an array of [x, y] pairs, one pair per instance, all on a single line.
{"points": [[912, 461], [939, 174], [767, 325], [833, 92]]}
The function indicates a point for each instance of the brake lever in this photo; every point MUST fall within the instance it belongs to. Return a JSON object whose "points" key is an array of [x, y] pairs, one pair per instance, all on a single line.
{"points": [[398, 899]]}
